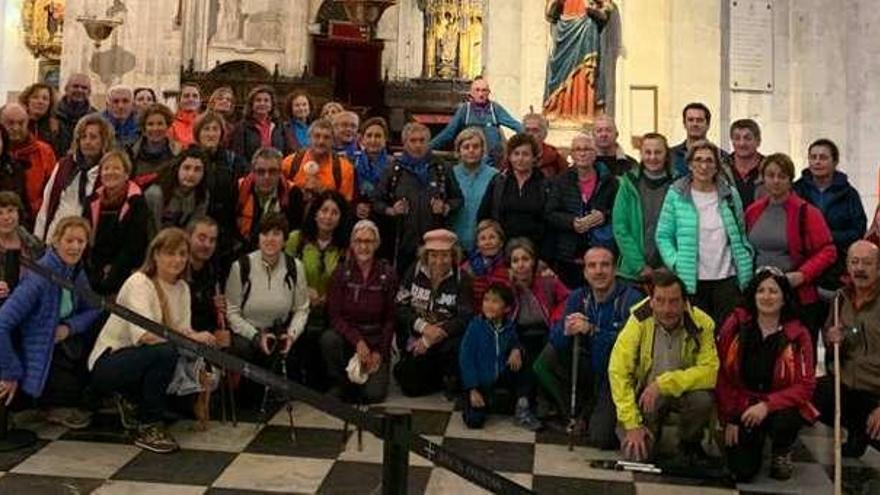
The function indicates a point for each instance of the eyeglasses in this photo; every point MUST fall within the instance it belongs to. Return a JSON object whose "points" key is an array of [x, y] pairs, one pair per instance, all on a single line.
{"points": [[776, 272]]}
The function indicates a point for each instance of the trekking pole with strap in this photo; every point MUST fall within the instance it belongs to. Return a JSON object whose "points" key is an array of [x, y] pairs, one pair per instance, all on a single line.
{"points": [[221, 327], [572, 421], [838, 478]]}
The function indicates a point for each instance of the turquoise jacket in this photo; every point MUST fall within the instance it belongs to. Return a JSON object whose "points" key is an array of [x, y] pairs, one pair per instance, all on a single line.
{"points": [[678, 233], [473, 187], [628, 222]]}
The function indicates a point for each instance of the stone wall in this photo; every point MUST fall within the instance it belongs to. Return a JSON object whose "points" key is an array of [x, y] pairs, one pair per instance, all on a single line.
{"points": [[19, 66]]}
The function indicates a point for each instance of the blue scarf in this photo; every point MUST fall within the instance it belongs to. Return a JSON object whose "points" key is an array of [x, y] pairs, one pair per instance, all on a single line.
{"points": [[418, 166], [369, 173], [126, 130], [482, 266], [301, 130]]}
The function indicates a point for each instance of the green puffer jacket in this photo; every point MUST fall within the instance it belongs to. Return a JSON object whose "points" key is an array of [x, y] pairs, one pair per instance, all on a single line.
{"points": [[678, 233], [628, 222]]}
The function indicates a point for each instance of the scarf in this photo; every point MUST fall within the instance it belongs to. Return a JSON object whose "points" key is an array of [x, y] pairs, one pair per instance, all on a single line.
{"points": [[370, 172], [23, 151], [482, 266], [418, 166]]}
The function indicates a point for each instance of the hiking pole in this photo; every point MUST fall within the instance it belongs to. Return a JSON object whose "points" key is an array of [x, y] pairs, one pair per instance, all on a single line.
{"points": [[572, 421], [838, 471], [221, 328]]}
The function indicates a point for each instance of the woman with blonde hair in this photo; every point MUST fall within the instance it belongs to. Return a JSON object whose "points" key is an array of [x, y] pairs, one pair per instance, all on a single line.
{"points": [[138, 365], [75, 175], [473, 175], [48, 325], [119, 217]]}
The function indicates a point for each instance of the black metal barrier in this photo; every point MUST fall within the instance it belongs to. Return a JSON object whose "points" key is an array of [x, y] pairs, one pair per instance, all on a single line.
{"points": [[393, 427]]}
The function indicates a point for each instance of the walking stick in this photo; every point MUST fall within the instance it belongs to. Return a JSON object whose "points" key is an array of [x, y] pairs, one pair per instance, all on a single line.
{"points": [[838, 471], [221, 328], [572, 421]]}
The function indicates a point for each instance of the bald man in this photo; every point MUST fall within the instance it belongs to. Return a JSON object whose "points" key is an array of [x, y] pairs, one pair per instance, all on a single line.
{"points": [[609, 151], [34, 161], [480, 112], [72, 107], [859, 337]]}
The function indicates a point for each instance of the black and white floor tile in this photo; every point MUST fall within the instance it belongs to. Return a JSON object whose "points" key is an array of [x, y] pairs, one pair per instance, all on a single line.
{"points": [[253, 458]]}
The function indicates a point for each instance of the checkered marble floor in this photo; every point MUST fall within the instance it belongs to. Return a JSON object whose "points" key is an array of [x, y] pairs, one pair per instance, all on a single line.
{"points": [[255, 459]]}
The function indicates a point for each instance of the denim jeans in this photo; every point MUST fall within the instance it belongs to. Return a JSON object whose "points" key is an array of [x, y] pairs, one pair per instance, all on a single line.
{"points": [[141, 374]]}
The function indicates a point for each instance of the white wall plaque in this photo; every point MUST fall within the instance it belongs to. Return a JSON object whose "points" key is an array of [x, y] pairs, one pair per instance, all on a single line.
{"points": [[751, 45]]}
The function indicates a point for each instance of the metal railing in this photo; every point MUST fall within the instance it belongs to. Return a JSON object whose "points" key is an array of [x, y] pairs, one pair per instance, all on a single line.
{"points": [[393, 426]]}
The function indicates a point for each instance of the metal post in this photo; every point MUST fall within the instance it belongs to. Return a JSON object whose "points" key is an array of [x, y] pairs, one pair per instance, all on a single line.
{"points": [[13, 439], [397, 427]]}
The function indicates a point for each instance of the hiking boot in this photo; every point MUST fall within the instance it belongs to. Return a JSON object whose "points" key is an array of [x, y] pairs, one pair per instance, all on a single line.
{"points": [[855, 446], [524, 416], [694, 455], [781, 466], [127, 413], [69, 417], [155, 438]]}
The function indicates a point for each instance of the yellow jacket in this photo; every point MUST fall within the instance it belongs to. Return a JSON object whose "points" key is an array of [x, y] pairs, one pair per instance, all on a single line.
{"points": [[631, 361]]}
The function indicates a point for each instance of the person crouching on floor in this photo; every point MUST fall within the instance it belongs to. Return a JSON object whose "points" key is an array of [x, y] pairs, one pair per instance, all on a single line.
{"points": [[491, 358], [44, 332], [664, 360], [596, 312], [137, 365], [433, 309], [767, 377]]}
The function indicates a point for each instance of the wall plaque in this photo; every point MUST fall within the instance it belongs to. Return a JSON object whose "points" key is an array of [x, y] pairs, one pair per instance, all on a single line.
{"points": [[751, 45]]}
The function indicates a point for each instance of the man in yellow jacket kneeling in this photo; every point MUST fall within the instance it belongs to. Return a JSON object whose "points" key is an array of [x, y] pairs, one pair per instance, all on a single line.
{"points": [[664, 361]]}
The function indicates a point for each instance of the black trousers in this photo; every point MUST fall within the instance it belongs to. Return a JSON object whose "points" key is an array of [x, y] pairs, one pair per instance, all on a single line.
{"points": [[429, 372], [856, 406], [337, 352], [141, 374], [718, 298], [744, 459]]}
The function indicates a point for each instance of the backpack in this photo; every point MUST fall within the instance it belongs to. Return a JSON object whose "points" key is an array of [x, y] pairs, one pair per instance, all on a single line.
{"points": [[244, 271], [298, 160]]}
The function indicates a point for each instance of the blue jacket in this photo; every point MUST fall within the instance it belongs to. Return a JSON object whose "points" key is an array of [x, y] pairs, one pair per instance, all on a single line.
{"points": [[489, 121], [841, 206], [32, 311], [473, 187], [608, 316], [484, 352], [127, 131]]}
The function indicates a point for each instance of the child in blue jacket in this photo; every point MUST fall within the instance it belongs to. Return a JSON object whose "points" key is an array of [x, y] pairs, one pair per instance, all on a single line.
{"points": [[491, 357]]}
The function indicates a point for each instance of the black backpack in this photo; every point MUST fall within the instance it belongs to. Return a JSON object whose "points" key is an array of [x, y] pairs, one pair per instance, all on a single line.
{"points": [[244, 271]]}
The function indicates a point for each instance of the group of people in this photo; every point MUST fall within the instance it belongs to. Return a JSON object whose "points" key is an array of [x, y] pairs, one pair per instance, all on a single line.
{"points": [[691, 281]]}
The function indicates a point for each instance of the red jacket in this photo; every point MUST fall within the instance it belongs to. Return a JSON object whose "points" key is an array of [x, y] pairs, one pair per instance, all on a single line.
{"points": [[40, 160], [794, 374], [485, 276], [363, 309], [181, 129], [810, 245], [552, 294]]}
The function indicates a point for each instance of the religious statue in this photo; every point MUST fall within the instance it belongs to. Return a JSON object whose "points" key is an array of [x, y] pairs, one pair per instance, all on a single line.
{"points": [[577, 84], [43, 23], [453, 38], [228, 21]]}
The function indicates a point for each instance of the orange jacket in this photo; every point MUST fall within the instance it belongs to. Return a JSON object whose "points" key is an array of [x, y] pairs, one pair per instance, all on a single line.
{"points": [[181, 129], [326, 179]]}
